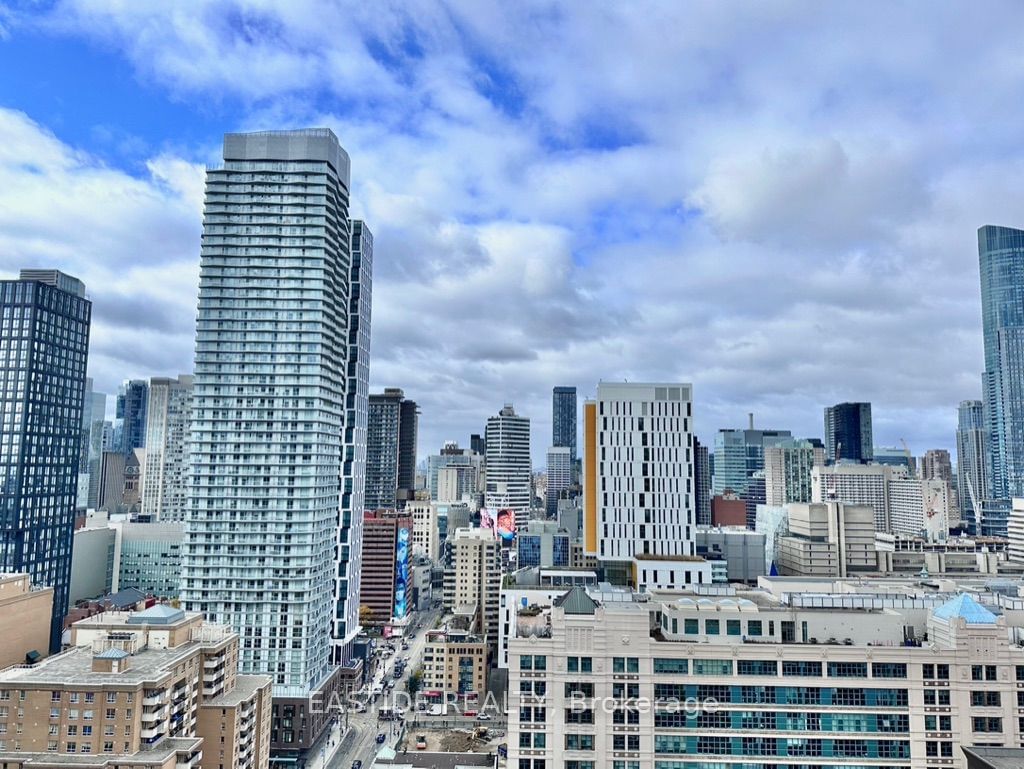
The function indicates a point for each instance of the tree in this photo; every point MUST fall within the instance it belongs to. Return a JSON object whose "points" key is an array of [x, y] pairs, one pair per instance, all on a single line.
{"points": [[415, 681], [365, 614]]}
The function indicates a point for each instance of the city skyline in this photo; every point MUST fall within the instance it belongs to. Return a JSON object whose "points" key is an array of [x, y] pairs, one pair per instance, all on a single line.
{"points": [[467, 161]]}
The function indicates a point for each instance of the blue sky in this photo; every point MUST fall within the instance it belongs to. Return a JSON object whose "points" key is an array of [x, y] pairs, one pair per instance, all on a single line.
{"points": [[775, 202]]}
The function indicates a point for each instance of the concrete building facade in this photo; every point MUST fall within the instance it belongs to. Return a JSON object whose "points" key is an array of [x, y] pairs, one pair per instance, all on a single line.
{"points": [[25, 612], [165, 474]]}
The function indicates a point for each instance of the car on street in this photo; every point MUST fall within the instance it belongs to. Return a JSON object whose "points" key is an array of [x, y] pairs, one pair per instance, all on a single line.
{"points": [[357, 764], [484, 717], [469, 713]]}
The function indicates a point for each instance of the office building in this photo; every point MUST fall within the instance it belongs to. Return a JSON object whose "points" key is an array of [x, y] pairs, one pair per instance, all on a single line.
{"points": [[463, 477], [877, 697], [472, 579], [1001, 265], [848, 435], [972, 445], [477, 444], [544, 544], [740, 549], [787, 471], [425, 528], [756, 495], [385, 590], [353, 483], [166, 470], [831, 539], [454, 663], [44, 342], [94, 560], [25, 611], [156, 689], [559, 479], [701, 483], [728, 509], [866, 484], [132, 405], [148, 557], [390, 450], [508, 485], [739, 454], [638, 497], [94, 429], [563, 419], [268, 419]]}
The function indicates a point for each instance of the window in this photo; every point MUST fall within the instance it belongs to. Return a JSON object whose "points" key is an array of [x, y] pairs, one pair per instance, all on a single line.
{"points": [[712, 667], [73, 697], [579, 742], [108, 747], [51, 746], [691, 627], [71, 747], [574, 716], [111, 713], [72, 730], [670, 666], [111, 697], [935, 672], [732, 627], [626, 742], [754, 627], [621, 691], [756, 668], [803, 668], [985, 699], [848, 670], [622, 716], [580, 664], [888, 670], [984, 673], [987, 724], [578, 689], [711, 627]]}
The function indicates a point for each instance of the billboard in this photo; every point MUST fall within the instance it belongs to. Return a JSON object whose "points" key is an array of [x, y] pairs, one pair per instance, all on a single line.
{"points": [[505, 525], [401, 572]]}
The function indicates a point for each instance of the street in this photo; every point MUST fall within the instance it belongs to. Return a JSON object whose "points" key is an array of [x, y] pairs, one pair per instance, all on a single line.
{"points": [[360, 741]]}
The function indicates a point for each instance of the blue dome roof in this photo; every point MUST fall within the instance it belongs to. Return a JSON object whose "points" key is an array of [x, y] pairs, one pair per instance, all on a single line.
{"points": [[966, 608]]}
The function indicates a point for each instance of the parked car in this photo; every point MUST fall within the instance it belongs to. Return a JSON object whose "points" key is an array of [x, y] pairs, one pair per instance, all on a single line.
{"points": [[380, 738], [357, 764], [484, 717]]}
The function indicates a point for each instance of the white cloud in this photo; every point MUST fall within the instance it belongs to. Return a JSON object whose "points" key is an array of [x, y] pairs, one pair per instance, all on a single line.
{"points": [[776, 201]]}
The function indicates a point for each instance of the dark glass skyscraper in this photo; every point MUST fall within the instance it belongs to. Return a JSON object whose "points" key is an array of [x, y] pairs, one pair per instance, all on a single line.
{"points": [[132, 405], [1001, 263], [44, 345], [971, 459], [390, 450], [848, 432], [563, 418]]}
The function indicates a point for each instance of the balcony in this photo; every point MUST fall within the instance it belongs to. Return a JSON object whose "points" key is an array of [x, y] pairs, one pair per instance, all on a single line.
{"points": [[152, 699]]}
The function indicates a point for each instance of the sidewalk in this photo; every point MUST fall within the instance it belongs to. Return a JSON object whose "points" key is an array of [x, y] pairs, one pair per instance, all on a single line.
{"points": [[320, 755]]}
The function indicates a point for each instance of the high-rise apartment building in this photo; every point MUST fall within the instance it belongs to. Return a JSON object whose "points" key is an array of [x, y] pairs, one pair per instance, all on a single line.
{"points": [[472, 577], [936, 464], [425, 530], [131, 409], [787, 471], [701, 483], [94, 430], [390, 450], [357, 407], [563, 419], [166, 469], [267, 436], [972, 444], [508, 463], [464, 478], [638, 496], [44, 343], [739, 454], [1001, 264], [385, 587], [559, 478], [848, 435], [156, 689]]}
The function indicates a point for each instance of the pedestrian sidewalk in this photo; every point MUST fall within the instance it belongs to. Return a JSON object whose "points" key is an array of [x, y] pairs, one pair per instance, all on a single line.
{"points": [[320, 756]]}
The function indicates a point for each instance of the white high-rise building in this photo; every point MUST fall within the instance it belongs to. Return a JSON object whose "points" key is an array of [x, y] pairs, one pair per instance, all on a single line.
{"points": [[559, 477], [353, 482], [424, 528], [166, 472], [508, 463], [267, 438], [638, 476], [857, 484], [472, 577]]}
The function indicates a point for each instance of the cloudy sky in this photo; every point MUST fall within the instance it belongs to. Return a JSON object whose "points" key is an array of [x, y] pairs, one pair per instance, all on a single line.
{"points": [[777, 202]]}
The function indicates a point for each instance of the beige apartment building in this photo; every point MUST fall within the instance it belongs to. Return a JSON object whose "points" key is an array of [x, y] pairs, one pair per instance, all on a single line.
{"points": [[688, 682], [454, 662], [828, 539], [155, 688], [473, 577], [24, 619]]}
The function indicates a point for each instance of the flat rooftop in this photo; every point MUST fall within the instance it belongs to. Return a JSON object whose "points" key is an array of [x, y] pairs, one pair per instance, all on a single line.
{"points": [[245, 687], [155, 754], [74, 667]]}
